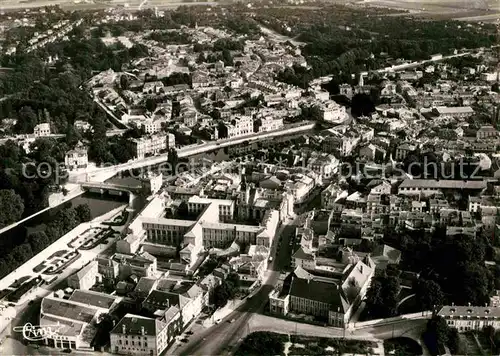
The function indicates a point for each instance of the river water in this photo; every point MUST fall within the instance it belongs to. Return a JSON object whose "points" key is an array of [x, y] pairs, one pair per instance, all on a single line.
{"points": [[98, 205]]}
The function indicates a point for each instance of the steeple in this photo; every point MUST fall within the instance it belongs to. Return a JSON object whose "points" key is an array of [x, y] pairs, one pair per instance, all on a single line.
{"points": [[361, 81]]}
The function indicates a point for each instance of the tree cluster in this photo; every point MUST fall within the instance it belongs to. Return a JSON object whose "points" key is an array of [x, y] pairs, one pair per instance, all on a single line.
{"points": [[454, 263], [438, 334], [262, 343], [170, 37], [31, 176], [341, 40], [382, 296], [16, 250], [225, 291], [13, 207]]}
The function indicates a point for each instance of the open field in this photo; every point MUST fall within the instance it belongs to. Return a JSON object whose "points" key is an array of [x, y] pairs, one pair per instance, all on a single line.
{"points": [[464, 10], [6, 5]]}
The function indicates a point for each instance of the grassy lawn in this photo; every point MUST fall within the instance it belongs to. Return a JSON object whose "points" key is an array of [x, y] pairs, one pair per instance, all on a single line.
{"points": [[470, 344], [266, 343], [59, 253], [40, 267], [303, 345], [484, 342]]}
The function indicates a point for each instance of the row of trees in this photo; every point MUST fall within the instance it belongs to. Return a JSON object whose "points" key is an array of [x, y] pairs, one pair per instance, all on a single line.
{"points": [[9, 198], [438, 334], [20, 248]]}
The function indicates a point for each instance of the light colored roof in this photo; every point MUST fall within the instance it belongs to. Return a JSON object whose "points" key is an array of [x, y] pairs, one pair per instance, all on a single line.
{"points": [[443, 184], [469, 311], [145, 284], [392, 254], [83, 272], [163, 221], [237, 227], [443, 110]]}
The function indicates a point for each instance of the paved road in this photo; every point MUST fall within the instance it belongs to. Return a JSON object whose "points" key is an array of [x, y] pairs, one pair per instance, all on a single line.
{"points": [[100, 174], [218, 339], [222, 339], [409, 328]]}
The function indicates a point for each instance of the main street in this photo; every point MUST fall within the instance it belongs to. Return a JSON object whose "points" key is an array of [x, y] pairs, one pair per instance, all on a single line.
{"points": [[223, 338], [218, 339]]}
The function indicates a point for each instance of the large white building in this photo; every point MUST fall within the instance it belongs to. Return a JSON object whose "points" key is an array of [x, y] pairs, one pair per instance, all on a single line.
{"points": [[333, 112], [138, 335], [213, 226], [154, 144], [151, 126], [239, 126], [466, 318], [41, 130], [324, 165], [270, 123], [76, 159]]}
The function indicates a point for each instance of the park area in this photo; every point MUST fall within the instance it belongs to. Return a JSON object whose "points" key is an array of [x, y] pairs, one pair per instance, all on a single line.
{"points": [[267, 343], [87, 237]]}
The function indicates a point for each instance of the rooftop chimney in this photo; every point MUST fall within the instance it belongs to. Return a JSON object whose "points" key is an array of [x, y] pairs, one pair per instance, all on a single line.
{"points": [[124, 329], [143, 332]]}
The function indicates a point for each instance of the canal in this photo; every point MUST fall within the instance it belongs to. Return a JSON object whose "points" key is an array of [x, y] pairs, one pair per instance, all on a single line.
{"points": [[98, 205]]}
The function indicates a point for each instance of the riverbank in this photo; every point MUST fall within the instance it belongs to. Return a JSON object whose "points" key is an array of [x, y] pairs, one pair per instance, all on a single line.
{"points": [[54, 201], [26, 269]]}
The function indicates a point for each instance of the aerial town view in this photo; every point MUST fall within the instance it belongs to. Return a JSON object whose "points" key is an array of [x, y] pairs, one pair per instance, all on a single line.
{"points": [[252, 177]]}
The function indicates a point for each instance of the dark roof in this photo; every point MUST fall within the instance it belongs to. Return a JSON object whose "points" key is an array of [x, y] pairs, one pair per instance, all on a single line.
{"points": [[160, 298], [166, 299], [95, 299], [134, 325], [145, 284], [68, 309], [392, 254], [323, 292], [301, 254]]}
